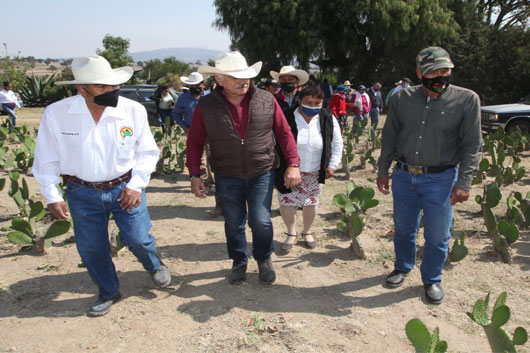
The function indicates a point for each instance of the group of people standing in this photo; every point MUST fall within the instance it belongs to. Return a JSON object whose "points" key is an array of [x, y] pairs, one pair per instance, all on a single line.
{"points": [[432, 131]]}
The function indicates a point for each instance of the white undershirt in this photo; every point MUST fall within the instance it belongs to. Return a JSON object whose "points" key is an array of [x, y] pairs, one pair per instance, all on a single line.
{"points": [[310, 143]]}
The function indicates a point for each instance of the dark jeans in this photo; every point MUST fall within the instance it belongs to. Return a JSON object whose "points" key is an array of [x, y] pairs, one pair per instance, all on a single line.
{"points": [[235, 195], [374, 117], [11, 113]]}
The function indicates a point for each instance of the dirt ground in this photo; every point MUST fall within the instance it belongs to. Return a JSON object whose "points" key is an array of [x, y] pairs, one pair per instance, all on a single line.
{"points": [[324, 300]]}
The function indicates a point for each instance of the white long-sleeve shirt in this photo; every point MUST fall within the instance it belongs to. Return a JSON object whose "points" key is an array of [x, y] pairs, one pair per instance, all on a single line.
{"points": [[310, 143], [69, 142], [8, 97]]}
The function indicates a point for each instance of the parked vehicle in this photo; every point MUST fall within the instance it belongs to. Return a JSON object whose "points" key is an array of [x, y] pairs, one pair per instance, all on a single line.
{"points": [[143, 94], [509, 116]]}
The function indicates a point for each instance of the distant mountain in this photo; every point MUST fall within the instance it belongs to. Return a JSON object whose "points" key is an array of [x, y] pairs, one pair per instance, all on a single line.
{"points": [[187, 55]]}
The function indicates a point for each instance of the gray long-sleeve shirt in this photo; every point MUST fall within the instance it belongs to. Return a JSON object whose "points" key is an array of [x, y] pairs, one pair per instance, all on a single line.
{"points": [[436, 132]]}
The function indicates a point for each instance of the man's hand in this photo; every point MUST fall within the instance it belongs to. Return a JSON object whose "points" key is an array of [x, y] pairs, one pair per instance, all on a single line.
{"points": [[129, 199], [382, 185], [292, 177], [59, 210], [458, 195], [198, 188], [329, 172]]}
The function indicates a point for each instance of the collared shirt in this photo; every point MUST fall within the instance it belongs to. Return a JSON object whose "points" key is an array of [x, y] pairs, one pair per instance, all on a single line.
{"points": [[71, 143], [436, 132], [8, 97], [310, 143], [240, 117], [183, 111]]}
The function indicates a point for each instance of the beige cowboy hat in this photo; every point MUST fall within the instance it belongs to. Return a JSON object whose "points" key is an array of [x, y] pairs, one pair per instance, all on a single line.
{"points": [[301, 75], [231, 64], [96, 70], [346, 83], [193, 79]]}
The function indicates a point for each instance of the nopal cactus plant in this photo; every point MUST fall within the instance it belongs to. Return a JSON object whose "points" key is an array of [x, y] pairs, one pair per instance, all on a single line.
{"points": [[498, 338], [422, 340], [504, 232], [459, 250], [353, 206]]}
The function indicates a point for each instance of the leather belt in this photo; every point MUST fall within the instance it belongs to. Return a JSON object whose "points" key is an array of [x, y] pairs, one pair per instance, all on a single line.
{"points": [[103, 185], [418, 169]]}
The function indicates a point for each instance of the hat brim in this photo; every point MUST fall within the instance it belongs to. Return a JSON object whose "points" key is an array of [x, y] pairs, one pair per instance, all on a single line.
{"points": [[437, 66], [301, 75], [250, 72], [119, 76]]}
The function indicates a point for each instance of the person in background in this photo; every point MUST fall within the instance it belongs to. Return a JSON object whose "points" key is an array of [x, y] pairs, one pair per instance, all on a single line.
{"points": [[376, 99], [433, 131], [325, 86], [319, 144], [242, 124], [102, 147], [9, 102], [337, 105], [361, 104], [290, 80], [272, 86], [166, 104], [182, 114], [405, 83], [389, 94]]}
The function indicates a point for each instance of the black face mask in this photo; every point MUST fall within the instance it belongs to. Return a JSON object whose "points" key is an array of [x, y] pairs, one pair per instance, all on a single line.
{"points": [[436, 84], [288, 86], [109, 99], [195, 90]]}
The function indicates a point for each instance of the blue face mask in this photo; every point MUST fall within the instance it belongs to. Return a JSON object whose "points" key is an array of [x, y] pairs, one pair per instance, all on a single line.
{"points": [[310, 111]]}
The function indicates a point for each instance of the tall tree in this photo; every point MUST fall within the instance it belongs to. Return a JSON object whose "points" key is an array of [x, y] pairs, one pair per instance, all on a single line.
{"points": [[116, 51]]}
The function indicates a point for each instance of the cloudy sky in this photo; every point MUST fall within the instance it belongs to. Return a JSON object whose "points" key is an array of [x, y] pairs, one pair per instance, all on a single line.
{"points": [[68, 28]]}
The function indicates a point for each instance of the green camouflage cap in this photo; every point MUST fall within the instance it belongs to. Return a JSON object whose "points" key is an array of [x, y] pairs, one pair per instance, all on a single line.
{"points": [[433, 58]]}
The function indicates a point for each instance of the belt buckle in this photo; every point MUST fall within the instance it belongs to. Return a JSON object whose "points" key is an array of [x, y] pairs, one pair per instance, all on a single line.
{"points": [[415, 169]]}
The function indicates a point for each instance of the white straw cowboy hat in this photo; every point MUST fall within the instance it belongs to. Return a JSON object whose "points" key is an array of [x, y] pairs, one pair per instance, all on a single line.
{"points": [[193, 79], [232, 64], [96, 70], [346, 83], [301, 75]]}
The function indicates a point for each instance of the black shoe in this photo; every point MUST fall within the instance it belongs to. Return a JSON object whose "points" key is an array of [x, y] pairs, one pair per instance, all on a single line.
{"points": [[266, 272], [395, 278], [102, 306], [238, 274], [434, 293]]}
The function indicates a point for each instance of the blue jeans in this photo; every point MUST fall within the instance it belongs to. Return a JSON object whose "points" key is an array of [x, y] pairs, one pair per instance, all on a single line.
{"points": [[359, 117], [374, 117], [235, 194], [90, 210], [11, 113], [431, 193]]}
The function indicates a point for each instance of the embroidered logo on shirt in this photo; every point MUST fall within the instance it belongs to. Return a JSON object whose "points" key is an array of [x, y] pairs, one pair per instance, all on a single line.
{"points": [[69, 133], [126, 131]]}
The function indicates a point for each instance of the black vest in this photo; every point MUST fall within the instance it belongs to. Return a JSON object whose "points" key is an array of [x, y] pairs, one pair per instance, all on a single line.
{"points": [[326, 129]]}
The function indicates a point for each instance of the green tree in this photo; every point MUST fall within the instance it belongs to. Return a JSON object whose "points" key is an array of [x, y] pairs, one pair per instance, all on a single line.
{"points": [[360, 39], [116, 51], [164, 72]]}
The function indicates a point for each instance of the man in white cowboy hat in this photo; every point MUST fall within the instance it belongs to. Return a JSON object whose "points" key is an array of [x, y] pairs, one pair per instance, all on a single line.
{"points": [[101, 145], [290, 79], [241, 123], [182, 114]]}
